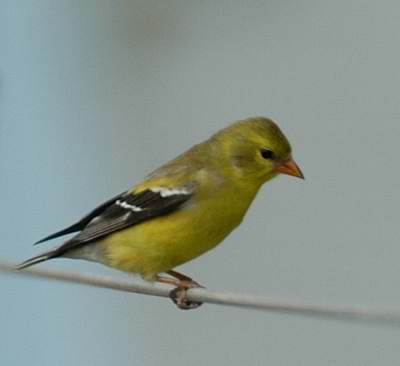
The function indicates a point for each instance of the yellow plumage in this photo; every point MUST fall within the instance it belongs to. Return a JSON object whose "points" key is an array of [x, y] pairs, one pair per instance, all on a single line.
{"points": [[164, 242], [185, 207], [223, 193]]}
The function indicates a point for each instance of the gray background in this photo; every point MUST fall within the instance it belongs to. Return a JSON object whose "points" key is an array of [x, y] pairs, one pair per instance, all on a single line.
{"points": [[95, 94]]}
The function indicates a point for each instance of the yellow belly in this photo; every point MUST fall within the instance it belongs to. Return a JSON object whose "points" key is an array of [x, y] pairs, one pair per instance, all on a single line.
{"points": [[161, 243]]}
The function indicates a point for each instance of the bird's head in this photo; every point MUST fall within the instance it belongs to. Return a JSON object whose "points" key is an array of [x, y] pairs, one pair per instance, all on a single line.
{"points": [[256, 149]]}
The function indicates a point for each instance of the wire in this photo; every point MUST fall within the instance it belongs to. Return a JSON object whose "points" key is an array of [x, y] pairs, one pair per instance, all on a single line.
{"points": [[378, 315]]}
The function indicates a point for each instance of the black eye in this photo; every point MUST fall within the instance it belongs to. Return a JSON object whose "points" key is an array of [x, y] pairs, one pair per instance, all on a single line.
{"points": [[267, 154]]}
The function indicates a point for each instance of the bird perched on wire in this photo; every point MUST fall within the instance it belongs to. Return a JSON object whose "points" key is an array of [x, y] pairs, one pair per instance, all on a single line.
{"points": [[183, 209]]}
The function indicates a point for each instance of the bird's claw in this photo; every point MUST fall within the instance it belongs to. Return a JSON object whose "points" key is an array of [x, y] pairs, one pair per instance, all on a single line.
{"points": [[179, 296]]}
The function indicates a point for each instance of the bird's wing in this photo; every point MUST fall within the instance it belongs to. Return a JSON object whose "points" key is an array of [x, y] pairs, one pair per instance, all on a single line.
{"points": [[84, 221], [127, 210]]}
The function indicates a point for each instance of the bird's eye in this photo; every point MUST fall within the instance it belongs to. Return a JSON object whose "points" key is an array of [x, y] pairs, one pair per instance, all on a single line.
{"points": [[267, 154]]}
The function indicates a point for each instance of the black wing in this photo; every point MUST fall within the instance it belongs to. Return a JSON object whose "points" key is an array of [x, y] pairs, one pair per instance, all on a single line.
{"points": [[127, 210], [82, 223], [120, 212]]}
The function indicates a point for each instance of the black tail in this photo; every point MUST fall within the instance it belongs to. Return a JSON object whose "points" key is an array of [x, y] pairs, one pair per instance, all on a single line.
{"points": [[38, 259]]}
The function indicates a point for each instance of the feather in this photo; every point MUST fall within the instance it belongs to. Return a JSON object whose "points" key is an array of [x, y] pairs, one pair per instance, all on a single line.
{"points": [[80, 225], [126, 209]]}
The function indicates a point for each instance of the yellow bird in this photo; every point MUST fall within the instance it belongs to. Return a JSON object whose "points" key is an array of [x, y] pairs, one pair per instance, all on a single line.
{"points": [[183, 209]]}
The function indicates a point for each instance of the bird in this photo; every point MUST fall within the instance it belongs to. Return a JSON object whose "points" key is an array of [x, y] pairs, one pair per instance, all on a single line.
{"points": [[182, 209]]}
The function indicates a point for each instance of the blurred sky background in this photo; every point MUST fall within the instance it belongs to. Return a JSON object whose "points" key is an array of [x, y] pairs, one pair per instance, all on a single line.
{"points": [[96, 94]]}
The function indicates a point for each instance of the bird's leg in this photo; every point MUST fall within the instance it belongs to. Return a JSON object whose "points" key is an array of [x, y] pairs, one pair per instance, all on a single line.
{"points": [[178, 295], [182, 277]]}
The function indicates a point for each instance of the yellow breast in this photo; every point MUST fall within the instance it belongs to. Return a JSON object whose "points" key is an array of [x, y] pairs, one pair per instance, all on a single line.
{"points": [[161, 243]]}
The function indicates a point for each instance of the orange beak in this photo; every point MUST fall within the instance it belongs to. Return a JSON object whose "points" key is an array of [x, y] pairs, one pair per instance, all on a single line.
{"points": [[290, 167]]}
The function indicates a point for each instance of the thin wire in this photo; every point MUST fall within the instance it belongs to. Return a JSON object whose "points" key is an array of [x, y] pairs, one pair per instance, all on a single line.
{"points": [[378, 315]]}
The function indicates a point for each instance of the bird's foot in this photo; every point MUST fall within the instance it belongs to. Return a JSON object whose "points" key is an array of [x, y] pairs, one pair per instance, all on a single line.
{"points": [[182, 284], [179, 295]]}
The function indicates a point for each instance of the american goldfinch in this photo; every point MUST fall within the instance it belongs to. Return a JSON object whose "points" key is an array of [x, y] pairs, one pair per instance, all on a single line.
{"points": [[183, 209]]}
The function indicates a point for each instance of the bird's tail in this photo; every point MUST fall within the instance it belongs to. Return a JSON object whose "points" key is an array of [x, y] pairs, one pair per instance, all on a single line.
{"points": [[37, 259]]}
